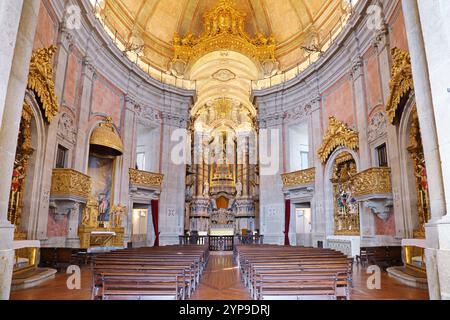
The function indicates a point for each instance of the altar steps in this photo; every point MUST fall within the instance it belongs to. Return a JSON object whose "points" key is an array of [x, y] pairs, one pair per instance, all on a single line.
{"points": [[32, 278]]}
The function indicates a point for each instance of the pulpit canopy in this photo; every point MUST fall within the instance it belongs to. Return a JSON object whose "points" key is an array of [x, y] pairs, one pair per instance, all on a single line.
{"points": [[105, 141]]}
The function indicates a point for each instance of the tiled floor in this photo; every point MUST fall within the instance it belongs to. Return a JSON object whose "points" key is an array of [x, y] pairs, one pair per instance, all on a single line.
{"points": [[220, 282]]}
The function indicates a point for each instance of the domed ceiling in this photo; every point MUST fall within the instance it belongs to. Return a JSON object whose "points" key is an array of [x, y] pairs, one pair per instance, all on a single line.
{"points": [[293, 23]]}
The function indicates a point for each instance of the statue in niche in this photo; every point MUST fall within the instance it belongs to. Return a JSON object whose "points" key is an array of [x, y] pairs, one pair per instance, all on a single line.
{"points": [[103, 207], [238, 188], [206, 189]]}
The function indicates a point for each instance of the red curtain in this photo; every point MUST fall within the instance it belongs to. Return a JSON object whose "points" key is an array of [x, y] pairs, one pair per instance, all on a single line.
{"points": [[155, 207], [287, 221]]}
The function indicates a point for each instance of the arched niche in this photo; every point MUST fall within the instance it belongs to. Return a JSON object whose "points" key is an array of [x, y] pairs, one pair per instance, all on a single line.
{"points": [[409, 172], [329, 187], [33, 179], [104, 170]]}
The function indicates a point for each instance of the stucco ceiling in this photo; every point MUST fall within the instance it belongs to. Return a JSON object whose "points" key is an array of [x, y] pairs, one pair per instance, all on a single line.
{"points": [[290, 21]]}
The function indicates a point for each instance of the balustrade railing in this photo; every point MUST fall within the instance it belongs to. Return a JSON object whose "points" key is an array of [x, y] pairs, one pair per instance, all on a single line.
{"points": [[221, 243], [193, 240], [250, 239]]}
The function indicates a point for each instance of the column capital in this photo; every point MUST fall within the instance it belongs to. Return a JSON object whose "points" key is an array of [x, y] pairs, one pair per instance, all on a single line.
{"points": [[88, 68], [357, 65], [380, 38], [66, 40]]}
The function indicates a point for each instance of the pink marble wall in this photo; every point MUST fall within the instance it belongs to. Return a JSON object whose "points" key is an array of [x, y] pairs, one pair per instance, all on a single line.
{"points": [[106, 99], [46, 28], [338, 102], [385, 228], [72, 80], [57, 227], [373, 78], [398, 36]]}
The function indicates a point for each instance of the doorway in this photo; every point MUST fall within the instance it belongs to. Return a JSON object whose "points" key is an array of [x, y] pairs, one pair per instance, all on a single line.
{"points": [[142, 234], [303, 226]]}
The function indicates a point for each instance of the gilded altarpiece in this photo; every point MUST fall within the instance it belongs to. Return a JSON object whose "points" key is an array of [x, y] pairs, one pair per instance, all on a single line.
{"points": [[420, 173], [23, 153], [346, 207]]}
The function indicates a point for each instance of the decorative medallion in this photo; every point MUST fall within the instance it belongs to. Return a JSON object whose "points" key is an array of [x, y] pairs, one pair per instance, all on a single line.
{"points": [[66, 128], [224, 75], [377, 126]]}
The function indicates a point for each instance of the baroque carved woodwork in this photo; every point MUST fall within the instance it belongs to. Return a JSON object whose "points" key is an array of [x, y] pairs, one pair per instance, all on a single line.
{"points": [[372, 181], [420, 173], [223, 30], [401, 83], [24, 151], [338, 135], [40, 80], [146, 179], [70, 183], [299, 178]]}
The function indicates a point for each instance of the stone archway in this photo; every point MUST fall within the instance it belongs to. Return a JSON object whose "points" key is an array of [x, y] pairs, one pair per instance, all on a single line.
{"points": [[329, 186], [413, 171]]}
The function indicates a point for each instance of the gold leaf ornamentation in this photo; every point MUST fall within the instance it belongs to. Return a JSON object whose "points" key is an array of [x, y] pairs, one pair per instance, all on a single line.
{"points": [[299, 178], [68, 182], [146, 179], [224, 30], [40, 80], [337, 135], [371, 182], [401, 82]]}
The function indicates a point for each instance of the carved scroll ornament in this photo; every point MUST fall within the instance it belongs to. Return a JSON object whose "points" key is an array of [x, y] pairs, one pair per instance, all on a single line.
{"points": [[401, 83], [40, 80], [337, 135]]}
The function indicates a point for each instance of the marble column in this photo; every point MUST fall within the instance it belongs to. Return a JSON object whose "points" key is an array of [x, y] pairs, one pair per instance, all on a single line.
{"points": [[425, 108], [11, 111], [172, 199], [50, 146], [318, 219], [365, 162], [10, 12], [425, 21], [436, 39], [88, 77], [361, 112], [271, 186], [127, 163], [382, 47]]}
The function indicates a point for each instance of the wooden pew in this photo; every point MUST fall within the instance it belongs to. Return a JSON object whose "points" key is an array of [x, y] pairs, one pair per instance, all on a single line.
{"points": [[148, 273], [294, 272]]}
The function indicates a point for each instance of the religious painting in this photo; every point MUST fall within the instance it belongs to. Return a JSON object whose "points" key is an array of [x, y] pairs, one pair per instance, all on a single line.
{"points": [[101, 171], [346, 208]]}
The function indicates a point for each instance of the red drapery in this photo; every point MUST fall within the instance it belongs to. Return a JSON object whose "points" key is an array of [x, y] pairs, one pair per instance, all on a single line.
{"points": [[287, 221], [155, 206]]}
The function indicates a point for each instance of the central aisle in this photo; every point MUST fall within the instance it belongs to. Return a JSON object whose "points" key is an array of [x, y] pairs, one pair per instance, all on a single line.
{"points": [[220, 281]]}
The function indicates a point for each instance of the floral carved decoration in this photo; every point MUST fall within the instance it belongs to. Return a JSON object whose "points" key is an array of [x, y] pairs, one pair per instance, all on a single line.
{"points": [[337, 135], [401, 83], [40, 80]]}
